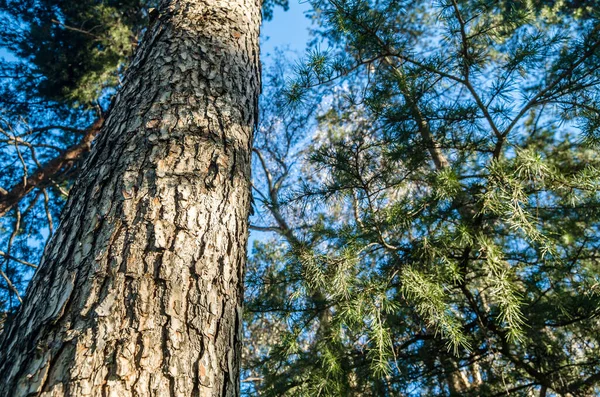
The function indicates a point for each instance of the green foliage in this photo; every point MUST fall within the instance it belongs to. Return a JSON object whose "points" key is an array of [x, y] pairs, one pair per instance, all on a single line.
{"points": [[446, 206], [75, 49], [427, 296], [437, 232]]}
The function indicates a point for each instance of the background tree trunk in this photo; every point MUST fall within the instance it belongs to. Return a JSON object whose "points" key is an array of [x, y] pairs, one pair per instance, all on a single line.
{"points": [[140, 289]]}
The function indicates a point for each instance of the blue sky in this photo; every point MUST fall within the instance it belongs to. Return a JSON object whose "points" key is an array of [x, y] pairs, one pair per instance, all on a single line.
{"points": [[286, 29]]}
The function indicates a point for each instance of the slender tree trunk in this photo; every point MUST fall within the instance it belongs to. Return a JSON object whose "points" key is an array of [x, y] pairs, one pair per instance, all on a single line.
{"points": [[139, 292]]}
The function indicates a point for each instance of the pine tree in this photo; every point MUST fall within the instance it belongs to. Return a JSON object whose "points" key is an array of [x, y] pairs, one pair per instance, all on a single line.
{"points": [[139, 289], [448, 206], [61, 63]]}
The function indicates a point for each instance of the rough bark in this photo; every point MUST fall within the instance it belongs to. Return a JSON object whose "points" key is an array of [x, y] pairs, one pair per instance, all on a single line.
{"points": [[50, 171], [139, 292]]}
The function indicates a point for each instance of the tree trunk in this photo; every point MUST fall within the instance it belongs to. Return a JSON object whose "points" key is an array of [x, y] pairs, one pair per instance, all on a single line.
{"points": [[139, 292]]}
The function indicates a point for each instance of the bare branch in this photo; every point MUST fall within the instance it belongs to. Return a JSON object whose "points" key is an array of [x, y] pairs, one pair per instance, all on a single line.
{"points": [[47, 173]]}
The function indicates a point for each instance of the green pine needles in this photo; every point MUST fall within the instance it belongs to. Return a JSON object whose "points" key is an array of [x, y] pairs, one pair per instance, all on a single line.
{"points": [[440, 233]]}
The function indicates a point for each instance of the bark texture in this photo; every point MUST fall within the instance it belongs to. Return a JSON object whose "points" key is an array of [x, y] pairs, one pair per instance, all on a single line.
{"points": [[139, 292]]}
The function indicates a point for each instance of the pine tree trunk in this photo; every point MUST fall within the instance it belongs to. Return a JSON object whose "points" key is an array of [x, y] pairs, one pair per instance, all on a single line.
{"points": [[139, 292]]}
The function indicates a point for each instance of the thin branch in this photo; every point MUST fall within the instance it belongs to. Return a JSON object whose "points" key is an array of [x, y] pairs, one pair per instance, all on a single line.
{"points": [[533, 101], [11, 286], [466, 72], [74, 29], [12, 258], [266, 228], [8, 249], [48, 213]]}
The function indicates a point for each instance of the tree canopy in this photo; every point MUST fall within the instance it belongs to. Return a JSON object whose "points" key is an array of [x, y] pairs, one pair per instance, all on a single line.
{"points": [[426, 187], [439, 232]]}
